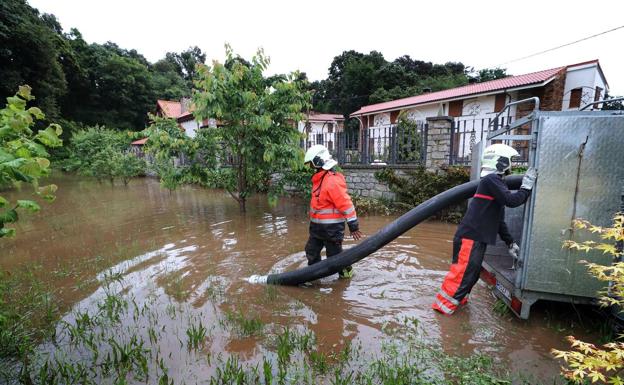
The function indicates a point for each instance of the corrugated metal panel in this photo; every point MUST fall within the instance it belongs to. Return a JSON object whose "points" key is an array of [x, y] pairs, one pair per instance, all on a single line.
{"points": [[573, 183]]}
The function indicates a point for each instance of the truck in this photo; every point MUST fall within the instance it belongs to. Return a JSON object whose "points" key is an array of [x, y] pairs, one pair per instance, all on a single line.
{"points": [[579, 157]]}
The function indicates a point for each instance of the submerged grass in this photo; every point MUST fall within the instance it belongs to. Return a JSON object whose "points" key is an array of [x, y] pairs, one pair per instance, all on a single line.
{"points": [[120, 339], [196, 334], [243, 325]]}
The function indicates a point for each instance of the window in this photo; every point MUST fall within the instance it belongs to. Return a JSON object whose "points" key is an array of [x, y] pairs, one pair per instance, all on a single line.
{"points": [[330, 146], [330, 127], [308, 127], [575, 98], [319, 138], [598, 93]]}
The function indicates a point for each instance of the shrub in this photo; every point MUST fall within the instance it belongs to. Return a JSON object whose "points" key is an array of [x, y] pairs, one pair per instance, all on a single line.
{"points": [[420, 185], [585, 360], [103, 153]]}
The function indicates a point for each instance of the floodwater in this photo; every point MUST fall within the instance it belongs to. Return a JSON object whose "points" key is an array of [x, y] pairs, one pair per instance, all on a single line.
{"points": [[191, 249]]}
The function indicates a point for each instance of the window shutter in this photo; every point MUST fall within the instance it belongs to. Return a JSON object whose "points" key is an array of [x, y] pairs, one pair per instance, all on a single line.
{"points": [[456, 107]]}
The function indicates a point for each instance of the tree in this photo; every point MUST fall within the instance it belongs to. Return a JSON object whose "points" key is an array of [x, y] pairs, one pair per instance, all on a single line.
{"points": [[166, 142], [259, 120], [606, 363], [23, 155], [29, 54], [185, 63], [617, 105], [126, 166], [356, 79], [488, 74], [168, 83]]}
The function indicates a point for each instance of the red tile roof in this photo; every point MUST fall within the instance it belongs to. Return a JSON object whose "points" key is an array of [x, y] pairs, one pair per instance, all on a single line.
{"points": [[325, 117], [534, 78], [170, 108], [139, 142], [188, 115]]}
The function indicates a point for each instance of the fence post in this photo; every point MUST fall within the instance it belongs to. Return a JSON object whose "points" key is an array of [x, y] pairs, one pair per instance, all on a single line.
{"points": [[393, 144], [455, 126], [423, 140], [439, 142], [340, 147], [364, 138]]}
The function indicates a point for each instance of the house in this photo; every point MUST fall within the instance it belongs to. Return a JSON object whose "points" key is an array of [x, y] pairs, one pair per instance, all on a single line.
{"points": [[182, 112], [473, 106], [168, 108], [321, 129]]}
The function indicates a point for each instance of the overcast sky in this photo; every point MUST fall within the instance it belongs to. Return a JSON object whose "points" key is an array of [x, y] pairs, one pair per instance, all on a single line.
{"points": [[307, 35]]}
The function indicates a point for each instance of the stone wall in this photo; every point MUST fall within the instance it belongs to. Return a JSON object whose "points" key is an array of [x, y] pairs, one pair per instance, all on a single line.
{"points": [[438, 142], [361, 181]]}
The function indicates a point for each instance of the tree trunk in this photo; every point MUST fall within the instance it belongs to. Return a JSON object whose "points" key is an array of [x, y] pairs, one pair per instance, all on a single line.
{"points": [[242, 184]]}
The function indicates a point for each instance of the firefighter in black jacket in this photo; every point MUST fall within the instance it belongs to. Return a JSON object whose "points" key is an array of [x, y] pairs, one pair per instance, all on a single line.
{"points": [[483, 220]]}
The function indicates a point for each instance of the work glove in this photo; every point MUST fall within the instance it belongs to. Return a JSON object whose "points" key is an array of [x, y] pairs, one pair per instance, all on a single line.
{"points": [[513, 250], [529, 179]]}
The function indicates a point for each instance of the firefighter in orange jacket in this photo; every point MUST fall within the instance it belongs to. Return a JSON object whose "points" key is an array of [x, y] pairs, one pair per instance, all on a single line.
{"points": [[330, 207]]}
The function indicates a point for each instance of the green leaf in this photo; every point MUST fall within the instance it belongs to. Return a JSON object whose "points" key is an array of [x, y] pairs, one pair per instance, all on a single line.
{"points": [[3, 202], [57, 128], [16, 103], [43, 162], [47, 190], [14, 164], [22, 177], [22, 152], [24, 92], [9, 216], [5, 156], [31, 206], [36, 112], [49, 137], [31, 169], [7, 233], [37, 149]]}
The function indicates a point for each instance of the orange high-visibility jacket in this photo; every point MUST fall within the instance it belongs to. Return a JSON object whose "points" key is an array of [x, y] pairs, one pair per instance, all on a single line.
{"points": [[331, 206]]}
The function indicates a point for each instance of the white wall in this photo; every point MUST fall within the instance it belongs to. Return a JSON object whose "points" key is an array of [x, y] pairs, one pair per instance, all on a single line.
{"points": [[586, 77], [190, 128], [319, 128]]}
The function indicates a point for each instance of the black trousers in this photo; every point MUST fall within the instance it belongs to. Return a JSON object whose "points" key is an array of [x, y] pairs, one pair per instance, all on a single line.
{"points": [[314, 246]]}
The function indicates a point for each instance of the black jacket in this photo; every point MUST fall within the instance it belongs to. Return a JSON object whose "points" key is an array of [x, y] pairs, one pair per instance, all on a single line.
{"points": [[486, 212]]}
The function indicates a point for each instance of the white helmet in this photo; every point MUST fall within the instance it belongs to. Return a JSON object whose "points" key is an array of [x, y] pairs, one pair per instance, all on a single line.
{"points": [[497, 158], [319, 157]]}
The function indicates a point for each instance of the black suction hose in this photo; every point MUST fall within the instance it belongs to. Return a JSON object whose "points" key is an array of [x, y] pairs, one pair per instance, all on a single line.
{"points": [[384, 236]]}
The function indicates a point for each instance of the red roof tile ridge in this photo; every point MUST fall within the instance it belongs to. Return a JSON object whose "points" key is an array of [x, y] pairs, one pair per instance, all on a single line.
{"points": [[491, 85], [466, 90]]}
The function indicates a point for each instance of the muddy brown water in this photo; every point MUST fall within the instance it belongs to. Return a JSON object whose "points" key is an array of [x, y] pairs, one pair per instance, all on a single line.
{"points": [[193, 247]]}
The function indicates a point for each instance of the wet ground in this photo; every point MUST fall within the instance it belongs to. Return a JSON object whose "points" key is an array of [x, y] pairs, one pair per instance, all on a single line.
{"points": [[191, 249]]}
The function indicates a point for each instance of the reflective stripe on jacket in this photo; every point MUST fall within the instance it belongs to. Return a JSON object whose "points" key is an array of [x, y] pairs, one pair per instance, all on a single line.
{"points": [[330, 202]]}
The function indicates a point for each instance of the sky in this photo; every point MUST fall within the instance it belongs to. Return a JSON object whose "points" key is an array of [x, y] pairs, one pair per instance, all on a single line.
{"points": [[306, 35]]}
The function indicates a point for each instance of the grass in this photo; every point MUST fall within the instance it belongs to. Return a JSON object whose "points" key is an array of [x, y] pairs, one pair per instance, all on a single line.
{"points": [[242, 325], [196, 334], [500, 307], [120, 339]]}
